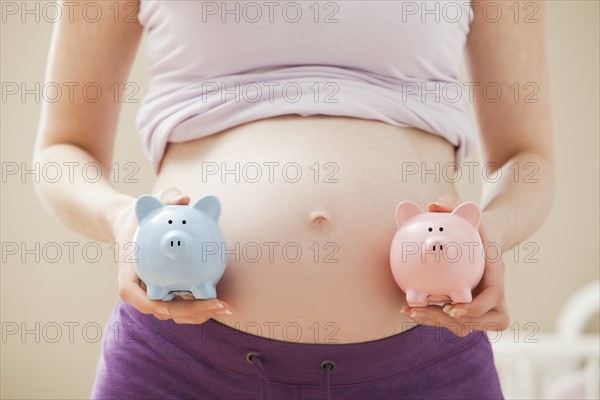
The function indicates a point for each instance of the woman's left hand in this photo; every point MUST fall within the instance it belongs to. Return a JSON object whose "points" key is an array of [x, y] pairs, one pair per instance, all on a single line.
{"points": [[488, 309]]}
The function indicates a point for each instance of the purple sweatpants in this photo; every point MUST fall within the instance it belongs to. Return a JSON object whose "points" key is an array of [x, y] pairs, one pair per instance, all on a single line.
{"points": [[146, 358]]}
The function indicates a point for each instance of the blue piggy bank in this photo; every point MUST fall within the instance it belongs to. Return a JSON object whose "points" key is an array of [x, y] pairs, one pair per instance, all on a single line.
{"points": [[179, 249]]}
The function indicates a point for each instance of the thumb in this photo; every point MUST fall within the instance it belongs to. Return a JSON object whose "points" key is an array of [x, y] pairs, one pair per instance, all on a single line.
{"points": [[173, 195], [445, 203]]}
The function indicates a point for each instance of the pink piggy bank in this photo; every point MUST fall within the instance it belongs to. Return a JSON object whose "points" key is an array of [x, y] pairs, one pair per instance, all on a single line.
{"points": [[437, 256]]}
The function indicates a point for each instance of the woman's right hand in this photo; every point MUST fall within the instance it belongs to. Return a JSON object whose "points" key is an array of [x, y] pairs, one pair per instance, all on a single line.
{"points": [[183, 309]]}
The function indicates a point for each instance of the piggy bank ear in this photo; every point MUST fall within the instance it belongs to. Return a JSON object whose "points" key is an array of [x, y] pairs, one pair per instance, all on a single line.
{"points": [[469, 211], [405, 211], [145, 205], [210, 205]]}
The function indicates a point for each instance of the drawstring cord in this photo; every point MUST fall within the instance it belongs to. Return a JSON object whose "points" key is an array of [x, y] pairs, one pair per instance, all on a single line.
{"points": [[265, 384], [328, 367]]}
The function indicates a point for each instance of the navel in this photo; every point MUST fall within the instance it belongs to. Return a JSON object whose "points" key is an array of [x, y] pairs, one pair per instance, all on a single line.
{"points": [[319, 219]]}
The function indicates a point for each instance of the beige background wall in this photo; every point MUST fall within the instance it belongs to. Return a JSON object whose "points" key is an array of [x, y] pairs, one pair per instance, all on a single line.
{"points": [[82, 292]]}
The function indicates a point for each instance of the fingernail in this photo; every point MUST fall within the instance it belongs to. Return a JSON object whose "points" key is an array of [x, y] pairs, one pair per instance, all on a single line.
{"points": [[161, 310], [458, 312], [402, 311], [216, 306], [224, 312], [416, 314], [447, 308]]}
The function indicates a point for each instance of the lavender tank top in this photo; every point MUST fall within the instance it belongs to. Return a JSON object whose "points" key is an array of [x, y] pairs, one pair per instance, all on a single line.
{"points": [[217, 64]]}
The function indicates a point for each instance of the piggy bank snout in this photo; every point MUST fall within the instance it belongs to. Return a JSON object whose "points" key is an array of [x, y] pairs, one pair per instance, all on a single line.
{"points": [[435, 243], [176, 244]]}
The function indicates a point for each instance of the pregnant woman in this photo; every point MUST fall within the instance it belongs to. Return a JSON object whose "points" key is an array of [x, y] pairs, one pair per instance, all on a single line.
{"points": [[310, 121]]}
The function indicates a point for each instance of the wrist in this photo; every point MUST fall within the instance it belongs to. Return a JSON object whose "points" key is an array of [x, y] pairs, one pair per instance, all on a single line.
{"points": [[116, 212], [493, 228]]}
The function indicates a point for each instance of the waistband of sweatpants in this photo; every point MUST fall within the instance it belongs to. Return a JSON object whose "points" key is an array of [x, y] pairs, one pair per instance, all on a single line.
{"points": [[301, 363]]}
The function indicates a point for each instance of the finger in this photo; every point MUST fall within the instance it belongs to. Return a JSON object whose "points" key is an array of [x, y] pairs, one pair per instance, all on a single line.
{"points": [[191, 320], [434, 206], [445, 203], [434, 316], [407, 310], [185, 309], [481, 304], [494, 320], [172, 195], [162, 317]]}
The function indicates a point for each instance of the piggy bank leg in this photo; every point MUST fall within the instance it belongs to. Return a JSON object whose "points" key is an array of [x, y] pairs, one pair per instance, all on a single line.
{"points": [[462, 296], [158, 293], [415, 298], [205, 291]]}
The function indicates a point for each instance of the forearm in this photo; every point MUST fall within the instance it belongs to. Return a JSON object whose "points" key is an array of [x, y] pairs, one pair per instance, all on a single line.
{"points": [[517, 203], [84, 205]]}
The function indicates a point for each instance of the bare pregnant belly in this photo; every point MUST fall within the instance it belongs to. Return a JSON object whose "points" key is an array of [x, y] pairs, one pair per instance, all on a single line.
{"points": [[308, 215]]}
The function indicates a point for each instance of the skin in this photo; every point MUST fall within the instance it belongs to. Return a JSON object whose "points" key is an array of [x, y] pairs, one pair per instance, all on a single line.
{"points": [[510, 132], [352, 300]]}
